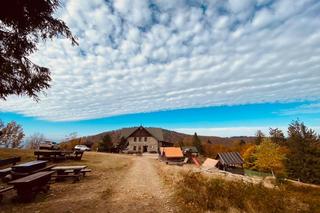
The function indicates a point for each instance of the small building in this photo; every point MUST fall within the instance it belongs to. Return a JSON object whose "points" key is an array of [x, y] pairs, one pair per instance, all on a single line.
{"points": [[231, 162], [171, 153], [190, 150], [141, 139]]}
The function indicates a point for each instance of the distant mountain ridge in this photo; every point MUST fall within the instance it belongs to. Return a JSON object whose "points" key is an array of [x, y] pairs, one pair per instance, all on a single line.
{"points": [[169, 135]]}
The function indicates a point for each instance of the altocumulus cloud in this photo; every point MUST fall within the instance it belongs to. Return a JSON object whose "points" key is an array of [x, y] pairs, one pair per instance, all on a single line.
{"points": [[148, 55]]}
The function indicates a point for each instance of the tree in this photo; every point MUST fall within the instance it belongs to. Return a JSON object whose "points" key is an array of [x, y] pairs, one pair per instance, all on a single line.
{"points": [[249, 156], [105, 144], [180, 143], [23, 23], [269, 157], [242, 142], [303, 159], [122, 144], [277, 136], [197, 143], [12, 135], [1, 127], [34, 141], [259, 137]]}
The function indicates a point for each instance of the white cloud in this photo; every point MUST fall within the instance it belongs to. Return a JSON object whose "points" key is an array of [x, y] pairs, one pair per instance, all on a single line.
{"points": [[313, 108], [135, 56]]}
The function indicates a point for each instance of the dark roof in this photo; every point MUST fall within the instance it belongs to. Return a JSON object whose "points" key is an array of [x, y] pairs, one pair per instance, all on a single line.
{"points": [[155, 132], [192, 148], [230, 158]]}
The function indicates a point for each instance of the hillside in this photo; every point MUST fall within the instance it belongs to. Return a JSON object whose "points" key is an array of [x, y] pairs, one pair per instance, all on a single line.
{"points": [[169, 135]]}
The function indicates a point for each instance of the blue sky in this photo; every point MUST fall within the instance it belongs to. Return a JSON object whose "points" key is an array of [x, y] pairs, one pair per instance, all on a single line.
{"points": [[220, 121], [218, 67]]}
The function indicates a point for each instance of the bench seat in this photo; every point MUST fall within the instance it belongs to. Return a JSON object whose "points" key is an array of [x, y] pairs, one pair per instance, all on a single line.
{"points": [[4, 172]]}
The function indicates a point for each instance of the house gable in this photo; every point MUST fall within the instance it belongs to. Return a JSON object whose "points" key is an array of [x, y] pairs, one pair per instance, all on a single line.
{"points": [[140, 132]]}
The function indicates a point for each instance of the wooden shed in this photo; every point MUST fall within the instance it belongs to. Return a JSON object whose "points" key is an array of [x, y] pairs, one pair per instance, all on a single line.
{"points": [[231, 162]]}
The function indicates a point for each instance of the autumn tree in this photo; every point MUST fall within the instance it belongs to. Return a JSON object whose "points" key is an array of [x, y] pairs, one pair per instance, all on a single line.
{"points": [[303, 161], [259, 137], [249, 157], [33, 141], [105, 145], [180, 143], [269, 157], [23, 24], [277, 136], [197, 143], [12, 135]]}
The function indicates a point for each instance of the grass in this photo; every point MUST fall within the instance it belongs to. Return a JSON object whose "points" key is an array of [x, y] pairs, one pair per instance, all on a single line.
{"points": [[196, 191], [251, 173], [90, 194], [25, 154]]}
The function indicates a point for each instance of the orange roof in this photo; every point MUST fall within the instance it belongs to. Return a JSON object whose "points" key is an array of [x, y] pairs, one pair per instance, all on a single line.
{"points": [[172, 152]]}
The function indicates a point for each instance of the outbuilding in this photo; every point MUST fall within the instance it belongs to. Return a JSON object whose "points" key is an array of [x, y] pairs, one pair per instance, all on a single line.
{"points": [[231, 162]]}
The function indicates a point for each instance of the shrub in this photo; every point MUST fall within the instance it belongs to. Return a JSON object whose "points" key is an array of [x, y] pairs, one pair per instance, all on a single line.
{"points": [[206, 193]]}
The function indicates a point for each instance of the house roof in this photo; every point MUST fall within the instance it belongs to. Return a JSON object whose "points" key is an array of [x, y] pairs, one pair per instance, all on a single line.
{"points": [[230, 158], [210, 163], [155, 132], [192, 148], [172, 152]]}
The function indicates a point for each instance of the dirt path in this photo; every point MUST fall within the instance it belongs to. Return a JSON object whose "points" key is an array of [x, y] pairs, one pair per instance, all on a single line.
{"points": [[141, 190]]}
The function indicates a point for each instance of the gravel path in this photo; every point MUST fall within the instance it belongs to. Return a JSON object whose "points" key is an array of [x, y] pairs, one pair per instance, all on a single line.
{"points": [[141, 190]]}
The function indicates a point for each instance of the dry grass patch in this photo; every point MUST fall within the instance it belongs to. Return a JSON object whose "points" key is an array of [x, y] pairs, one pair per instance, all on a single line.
{"points": [[91, 194], [215, 194]]}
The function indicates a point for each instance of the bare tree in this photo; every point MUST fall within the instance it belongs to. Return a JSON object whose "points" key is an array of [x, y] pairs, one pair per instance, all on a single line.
{"points": [[1, 127], [12, 135], [34, 141]]}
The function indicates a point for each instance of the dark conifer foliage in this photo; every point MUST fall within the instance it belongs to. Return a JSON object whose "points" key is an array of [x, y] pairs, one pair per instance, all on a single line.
{"points": [[303, 160], [23, 23]]}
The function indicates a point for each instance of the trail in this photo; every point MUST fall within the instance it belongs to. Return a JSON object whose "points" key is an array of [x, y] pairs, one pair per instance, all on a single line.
{"points": [[141, 190]]}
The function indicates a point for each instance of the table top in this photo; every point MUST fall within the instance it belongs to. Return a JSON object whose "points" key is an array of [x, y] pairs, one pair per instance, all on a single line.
{"points": [[68, 167], [31, 178], [51, 151], [30, 163]]}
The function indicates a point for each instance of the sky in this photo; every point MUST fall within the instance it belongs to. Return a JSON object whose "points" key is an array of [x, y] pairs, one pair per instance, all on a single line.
{"points": [[218, 67]]}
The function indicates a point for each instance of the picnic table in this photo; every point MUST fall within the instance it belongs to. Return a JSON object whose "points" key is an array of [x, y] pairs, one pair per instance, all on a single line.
{"points": [[29, 168], [70, 171], [52, 154], [28, 187]]}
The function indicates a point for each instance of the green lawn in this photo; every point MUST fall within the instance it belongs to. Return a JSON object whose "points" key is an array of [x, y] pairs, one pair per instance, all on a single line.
{"points": [[249, 172]]}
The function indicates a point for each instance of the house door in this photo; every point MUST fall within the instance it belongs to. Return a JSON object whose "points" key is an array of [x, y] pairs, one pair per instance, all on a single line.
{"points": [[145, 148]]}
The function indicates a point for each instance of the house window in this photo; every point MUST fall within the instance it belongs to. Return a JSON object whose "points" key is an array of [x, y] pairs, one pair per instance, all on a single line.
{"points": [[134, 148], [135, 139], [139, 138], [145, 138]]}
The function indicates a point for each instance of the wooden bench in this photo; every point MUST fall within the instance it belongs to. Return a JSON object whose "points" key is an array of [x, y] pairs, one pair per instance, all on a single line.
{"points": [[83, 171], [76, 155], [3, 190], [9, 161], [28, 187], [69, 171], [4, 172]]}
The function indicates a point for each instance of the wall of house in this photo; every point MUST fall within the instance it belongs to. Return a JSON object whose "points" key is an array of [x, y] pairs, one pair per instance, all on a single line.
{"points": [[151, 142]]}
